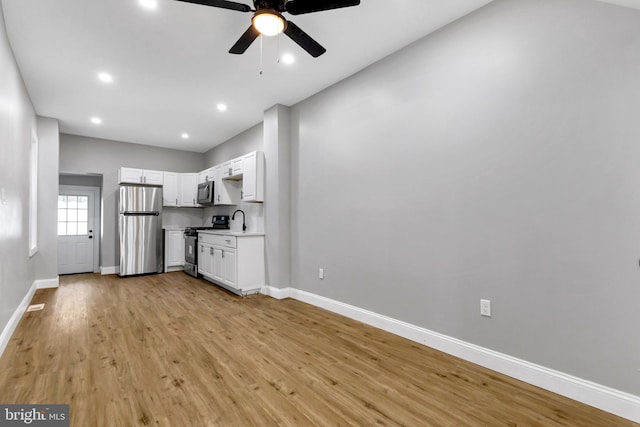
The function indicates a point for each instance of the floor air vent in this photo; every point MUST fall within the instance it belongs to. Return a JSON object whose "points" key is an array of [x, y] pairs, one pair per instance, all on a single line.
{"points": [[35, 307]]}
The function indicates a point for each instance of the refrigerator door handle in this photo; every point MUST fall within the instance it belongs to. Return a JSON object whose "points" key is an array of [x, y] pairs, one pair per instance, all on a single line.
{"points": [[141, 213]]}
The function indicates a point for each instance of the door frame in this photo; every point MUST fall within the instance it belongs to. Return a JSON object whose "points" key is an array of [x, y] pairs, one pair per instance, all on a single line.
{"points": [[97, 224]]}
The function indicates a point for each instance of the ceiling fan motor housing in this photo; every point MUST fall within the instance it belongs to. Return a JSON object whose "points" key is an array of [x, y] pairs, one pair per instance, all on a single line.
{"points": [[277, 5], [268, 20]]}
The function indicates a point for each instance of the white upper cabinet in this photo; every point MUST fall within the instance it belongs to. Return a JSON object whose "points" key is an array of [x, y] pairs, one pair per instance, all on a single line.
{"points": [[152, 177], [170, 189], [226, 192], [189, 189], [180, 189], [226, 169], [253, 177], [237, 166], [237, 180], [243, 178], [139, 176], [206, 175]]}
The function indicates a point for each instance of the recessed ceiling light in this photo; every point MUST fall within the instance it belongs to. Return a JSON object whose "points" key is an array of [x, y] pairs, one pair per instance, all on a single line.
{"points": [[96, 120], [185, 136], [287, 58], [222, 107], [105, 77], [149, 4]]}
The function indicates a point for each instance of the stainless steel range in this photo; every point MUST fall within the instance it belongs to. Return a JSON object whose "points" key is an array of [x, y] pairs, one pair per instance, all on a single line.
{"points": [[219, 222]]}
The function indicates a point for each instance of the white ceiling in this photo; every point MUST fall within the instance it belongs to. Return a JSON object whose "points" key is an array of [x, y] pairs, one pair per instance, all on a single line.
{"points": [[171, 67]]}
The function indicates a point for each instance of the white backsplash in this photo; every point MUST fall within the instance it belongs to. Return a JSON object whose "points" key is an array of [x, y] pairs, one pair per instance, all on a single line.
{"points": [[183, 217], [254, 216]]}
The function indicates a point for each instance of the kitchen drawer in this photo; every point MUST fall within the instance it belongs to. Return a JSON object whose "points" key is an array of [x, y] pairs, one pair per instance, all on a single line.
{"points": [[217, 239]]}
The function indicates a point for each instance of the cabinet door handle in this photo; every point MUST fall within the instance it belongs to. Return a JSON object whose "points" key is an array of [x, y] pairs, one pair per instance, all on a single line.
{"points": [[194, 201], [241, 194], [210, 251], [176, 202], [201, 248], [230, 171], [222, 253]]}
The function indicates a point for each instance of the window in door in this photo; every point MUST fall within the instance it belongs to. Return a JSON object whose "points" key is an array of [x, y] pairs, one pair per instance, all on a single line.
{"points": [[73, 215]]}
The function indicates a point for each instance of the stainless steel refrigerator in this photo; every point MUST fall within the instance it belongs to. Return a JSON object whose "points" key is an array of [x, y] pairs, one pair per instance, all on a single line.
{"points": [[140, 225]]}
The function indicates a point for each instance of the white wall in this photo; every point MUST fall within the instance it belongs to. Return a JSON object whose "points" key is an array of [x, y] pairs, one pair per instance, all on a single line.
{"points": [[84, 155], [17, 120], [498, 159]]}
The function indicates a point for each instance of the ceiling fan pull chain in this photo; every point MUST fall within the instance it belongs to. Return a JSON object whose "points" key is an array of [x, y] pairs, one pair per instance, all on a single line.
{"points": [[261, 37]]}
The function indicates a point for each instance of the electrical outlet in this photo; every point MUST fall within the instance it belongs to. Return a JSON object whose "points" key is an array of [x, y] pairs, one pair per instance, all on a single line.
{"points": [[485, 307], [321, 273]]}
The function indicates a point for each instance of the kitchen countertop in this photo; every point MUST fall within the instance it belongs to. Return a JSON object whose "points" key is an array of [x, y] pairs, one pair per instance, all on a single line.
{"points": [[173, 227], [233, 233]]}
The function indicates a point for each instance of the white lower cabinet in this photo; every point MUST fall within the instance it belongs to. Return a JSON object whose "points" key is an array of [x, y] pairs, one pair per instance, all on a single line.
{"points": [[174, 249], [205, 259], [234, 261]]}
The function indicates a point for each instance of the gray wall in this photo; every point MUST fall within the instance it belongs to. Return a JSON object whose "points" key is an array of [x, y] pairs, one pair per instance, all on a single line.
{"points": [[46, 260], [84, 155], [17, 120], [243, 143], [81, 180], [498, 159]]}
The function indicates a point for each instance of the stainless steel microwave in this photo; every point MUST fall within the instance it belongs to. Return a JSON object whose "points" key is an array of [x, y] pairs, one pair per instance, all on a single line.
{"points": [[205, 193]]}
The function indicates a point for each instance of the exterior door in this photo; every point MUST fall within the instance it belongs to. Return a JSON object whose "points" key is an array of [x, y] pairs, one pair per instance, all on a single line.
{"points": [[76, 230]]}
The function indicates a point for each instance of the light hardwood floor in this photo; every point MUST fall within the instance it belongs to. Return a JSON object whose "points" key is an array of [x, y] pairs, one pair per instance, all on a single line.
{"points": [[171, 350]]}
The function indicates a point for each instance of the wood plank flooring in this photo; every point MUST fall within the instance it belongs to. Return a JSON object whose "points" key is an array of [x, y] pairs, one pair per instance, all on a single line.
{"points": [[171, 350]]}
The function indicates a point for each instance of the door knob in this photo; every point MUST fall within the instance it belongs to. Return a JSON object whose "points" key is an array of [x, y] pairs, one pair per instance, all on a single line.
{"points": [[91, 237]]}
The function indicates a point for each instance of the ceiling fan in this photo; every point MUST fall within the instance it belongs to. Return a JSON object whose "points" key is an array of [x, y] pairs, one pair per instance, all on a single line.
{"points": [[268, 20]]}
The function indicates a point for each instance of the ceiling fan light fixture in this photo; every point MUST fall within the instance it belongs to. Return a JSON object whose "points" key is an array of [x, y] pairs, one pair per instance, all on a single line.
{"points": [[268, 22]]}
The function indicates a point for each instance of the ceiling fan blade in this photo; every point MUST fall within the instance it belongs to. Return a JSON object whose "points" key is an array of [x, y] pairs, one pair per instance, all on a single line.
{"points": [[304, 40], [245, 41], [224, 4], [298, 7]]}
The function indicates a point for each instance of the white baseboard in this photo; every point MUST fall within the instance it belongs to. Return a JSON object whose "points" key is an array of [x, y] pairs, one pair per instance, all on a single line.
{"points": [[47, 283], [605, 398], [276, 293], [109, 270], [12, 324]]}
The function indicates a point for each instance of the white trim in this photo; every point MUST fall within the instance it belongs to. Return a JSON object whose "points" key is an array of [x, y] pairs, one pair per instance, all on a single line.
{"points": [[109, 270], [605, 398], [47, 283], [276, 293], [12, 324]]}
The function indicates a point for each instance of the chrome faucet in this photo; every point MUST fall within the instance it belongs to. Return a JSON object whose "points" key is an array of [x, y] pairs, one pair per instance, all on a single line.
{"points": [[233, 217]]}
